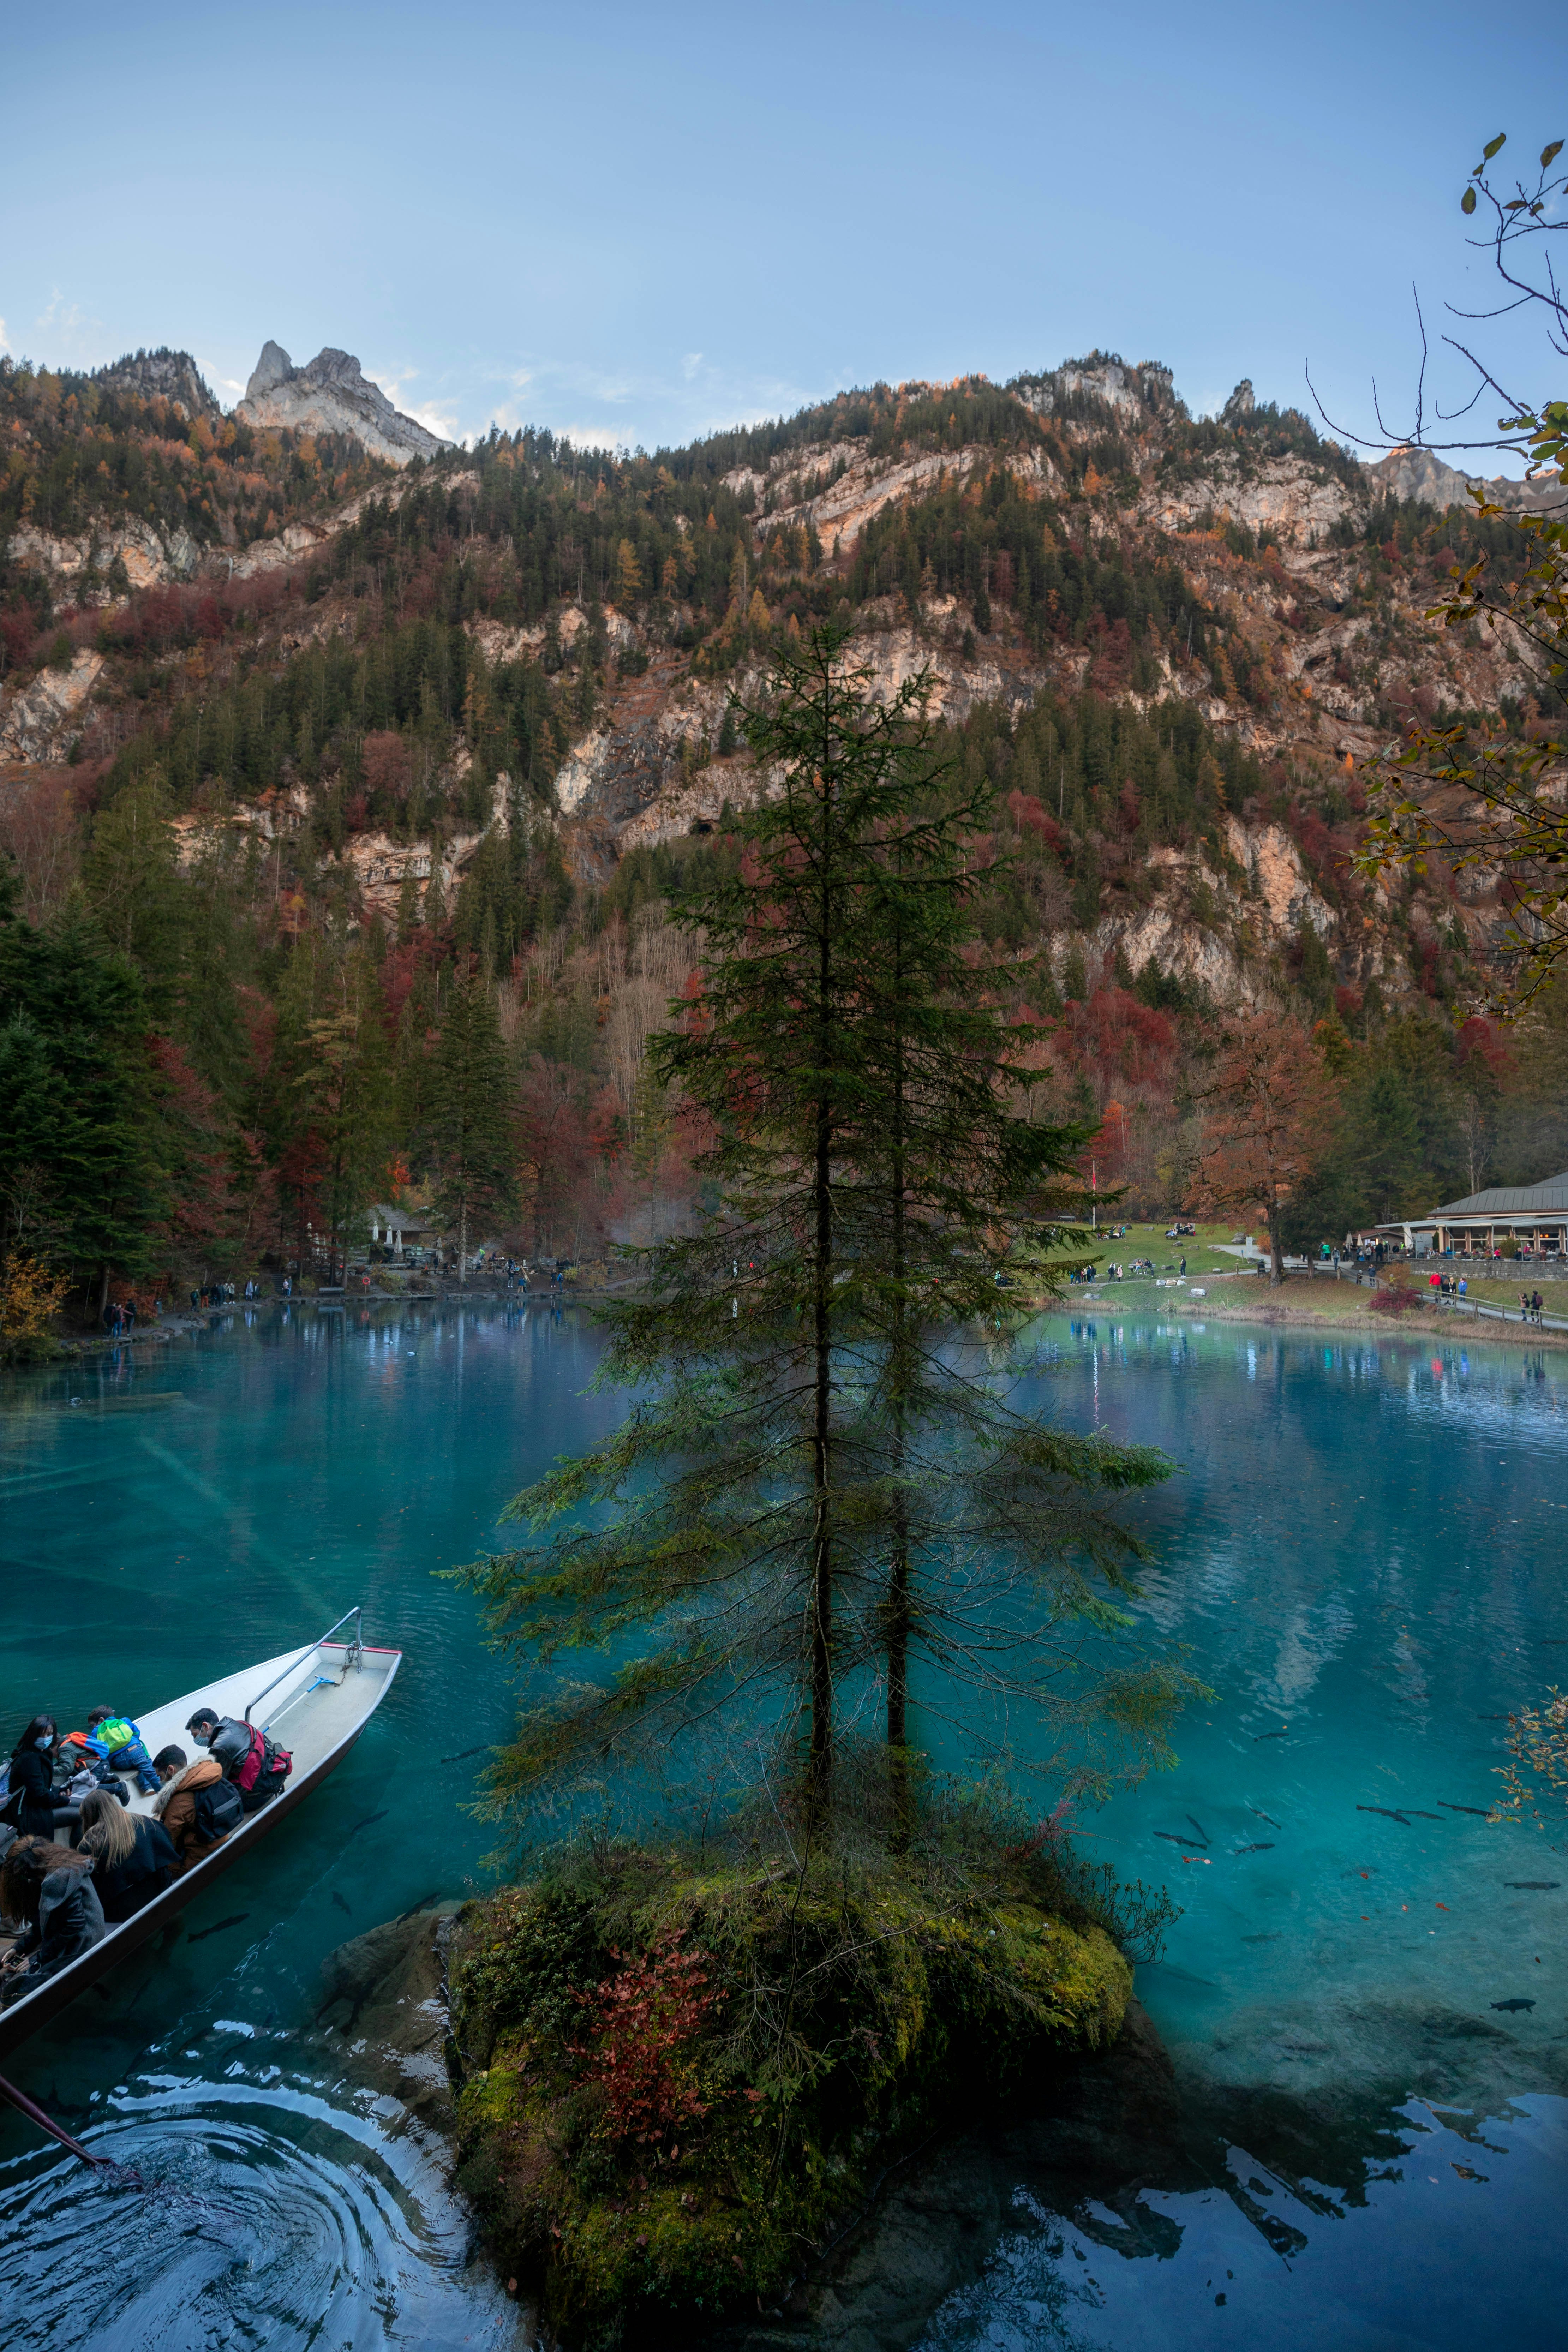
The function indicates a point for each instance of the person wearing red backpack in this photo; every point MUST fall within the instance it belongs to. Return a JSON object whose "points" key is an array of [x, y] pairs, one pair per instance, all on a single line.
{"points": [[245, 1755]]}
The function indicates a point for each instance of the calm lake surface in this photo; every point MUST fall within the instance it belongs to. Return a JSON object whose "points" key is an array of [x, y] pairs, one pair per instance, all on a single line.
{"points": [[1366, 1552]]}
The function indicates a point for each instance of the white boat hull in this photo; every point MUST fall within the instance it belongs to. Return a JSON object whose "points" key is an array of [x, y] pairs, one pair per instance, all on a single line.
{"points": [[316, 1702]]}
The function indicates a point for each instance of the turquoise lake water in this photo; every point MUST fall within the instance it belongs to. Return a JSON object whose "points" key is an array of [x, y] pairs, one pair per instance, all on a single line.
{"points": [[1366, 1552]]}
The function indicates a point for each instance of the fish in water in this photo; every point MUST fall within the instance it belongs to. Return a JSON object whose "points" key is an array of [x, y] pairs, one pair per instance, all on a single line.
{"points": [[1199, 1827], [1264, 1817], [1387, 1816], [464, 1753], [367, 1821], [1172, 1839], [1267, 1847], [217, 1929], [1270, 1734], [1420, 1816], [1484, 1811], [1513, 2004], [1535, 1885], [1274, 1939], [338, 1899]]}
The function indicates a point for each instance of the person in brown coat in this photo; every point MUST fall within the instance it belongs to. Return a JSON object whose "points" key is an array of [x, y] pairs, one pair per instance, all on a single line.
{"points": [[175, 1802]]}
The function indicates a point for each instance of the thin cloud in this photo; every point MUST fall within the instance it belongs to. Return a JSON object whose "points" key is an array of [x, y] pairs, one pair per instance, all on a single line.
{"points": [[73, 335], [437, 418]]}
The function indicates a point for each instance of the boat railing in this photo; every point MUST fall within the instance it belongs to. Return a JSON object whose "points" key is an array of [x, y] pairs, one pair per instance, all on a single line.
{"points": [[354, 1649]]}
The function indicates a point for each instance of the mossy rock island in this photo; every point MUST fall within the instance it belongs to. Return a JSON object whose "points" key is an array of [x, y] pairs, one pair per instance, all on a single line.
{"points": [[683, 2079]]}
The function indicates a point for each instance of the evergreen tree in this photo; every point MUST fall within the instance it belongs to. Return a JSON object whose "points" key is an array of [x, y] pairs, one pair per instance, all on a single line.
{"points": [[953, 1196], [81, 1180], [131, 878], [332, 1073], [809, 1488], [467, 1108]]}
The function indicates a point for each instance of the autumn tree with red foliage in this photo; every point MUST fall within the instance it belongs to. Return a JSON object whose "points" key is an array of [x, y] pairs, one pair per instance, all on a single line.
{"points": [[1268, 1111]]}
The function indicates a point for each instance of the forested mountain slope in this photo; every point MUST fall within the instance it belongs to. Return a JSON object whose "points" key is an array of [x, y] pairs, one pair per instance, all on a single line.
{"points": [[304, 737]]}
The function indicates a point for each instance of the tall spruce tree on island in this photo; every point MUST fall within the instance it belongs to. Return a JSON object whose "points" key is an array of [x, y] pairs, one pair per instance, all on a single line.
{"points": [[821, 1476], [468, 1110]]}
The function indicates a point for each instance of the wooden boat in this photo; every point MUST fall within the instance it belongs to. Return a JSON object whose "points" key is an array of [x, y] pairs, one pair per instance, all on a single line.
{"points": [[314, 1702]]}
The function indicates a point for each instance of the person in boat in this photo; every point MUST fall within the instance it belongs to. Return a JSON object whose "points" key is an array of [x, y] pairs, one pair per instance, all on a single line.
{"points": [[37, 1808], [81, 1758], [49, 1888], [122, 1744], [195, 1805], [246, 1757], [132, 1858]]}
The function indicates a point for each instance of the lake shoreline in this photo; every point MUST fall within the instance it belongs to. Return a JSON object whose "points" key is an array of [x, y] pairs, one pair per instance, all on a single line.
{"points": [[1353, 1312], [1431, 1323]]}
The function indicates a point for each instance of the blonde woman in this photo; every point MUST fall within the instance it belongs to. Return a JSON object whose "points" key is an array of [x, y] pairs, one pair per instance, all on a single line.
{"points": [[132, 1858]]}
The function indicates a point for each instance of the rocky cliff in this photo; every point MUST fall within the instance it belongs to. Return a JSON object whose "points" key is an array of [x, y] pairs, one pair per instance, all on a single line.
{"points": [[333, 394], [1418, 475], [1172, 641], [162, 374]]}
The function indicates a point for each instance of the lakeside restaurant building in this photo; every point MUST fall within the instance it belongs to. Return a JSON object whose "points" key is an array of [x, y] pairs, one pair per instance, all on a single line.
{"points": [[1535, 1216], [401, 1229]]}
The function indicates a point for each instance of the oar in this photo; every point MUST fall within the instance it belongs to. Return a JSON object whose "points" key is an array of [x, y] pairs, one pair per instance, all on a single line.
{"points": [[35, 2113]]}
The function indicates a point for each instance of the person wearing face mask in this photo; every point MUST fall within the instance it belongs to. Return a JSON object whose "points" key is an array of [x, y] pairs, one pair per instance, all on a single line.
{"points": [[247, 1757], [33, 1806]]}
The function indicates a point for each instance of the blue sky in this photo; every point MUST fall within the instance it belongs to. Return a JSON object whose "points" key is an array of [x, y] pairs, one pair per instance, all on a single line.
{"points": [[639, 223]]}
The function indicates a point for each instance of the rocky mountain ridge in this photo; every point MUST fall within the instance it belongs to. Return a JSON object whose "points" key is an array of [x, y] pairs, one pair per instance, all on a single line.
{"points": [[331, 393], [1074, 543]]}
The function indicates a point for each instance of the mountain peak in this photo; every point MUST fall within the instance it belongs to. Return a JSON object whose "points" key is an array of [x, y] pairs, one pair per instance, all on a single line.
{"points": [[331, 393], [274, 367], [162, 374]]}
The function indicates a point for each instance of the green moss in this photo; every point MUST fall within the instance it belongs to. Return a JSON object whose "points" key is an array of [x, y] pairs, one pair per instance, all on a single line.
{"points": [[845, 2010]]}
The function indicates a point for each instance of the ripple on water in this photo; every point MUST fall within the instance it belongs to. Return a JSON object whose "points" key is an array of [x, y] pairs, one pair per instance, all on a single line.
{"points": [[276, 2211]]}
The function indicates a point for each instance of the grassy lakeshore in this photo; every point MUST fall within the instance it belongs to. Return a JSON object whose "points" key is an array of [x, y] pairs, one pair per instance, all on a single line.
{"points": [[1225, 1292]]}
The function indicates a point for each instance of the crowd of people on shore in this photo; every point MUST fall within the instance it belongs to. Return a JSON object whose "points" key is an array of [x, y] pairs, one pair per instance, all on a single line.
{"points": [[76, 1859]]}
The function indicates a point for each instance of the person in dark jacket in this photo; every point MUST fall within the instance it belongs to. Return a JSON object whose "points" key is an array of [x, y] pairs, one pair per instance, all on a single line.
{"points": [[41, 1811], [132, 1858], [231, 1745], [50, 1888]]}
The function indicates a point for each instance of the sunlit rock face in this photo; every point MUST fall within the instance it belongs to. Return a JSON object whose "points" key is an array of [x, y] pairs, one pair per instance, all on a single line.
{"points": [[333, 394]]}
